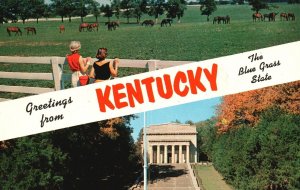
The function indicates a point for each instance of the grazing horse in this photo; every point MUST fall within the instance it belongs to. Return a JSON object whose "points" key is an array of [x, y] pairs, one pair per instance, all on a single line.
{"points": [[92, 26], [166, 21], [112, 25], [227, 19], [272, 16], [84, 25], [30, 29], [15, 29], [61, 28], [284, 16], [291, 15], [216, 19], [223, 19], [258, 16], [148, 23]]}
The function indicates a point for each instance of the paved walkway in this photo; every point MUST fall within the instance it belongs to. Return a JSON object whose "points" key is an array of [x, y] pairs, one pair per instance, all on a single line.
{"points": [[169, 177]]}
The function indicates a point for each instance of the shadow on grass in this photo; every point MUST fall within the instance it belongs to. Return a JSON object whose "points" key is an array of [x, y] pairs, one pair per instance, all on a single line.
{"points": [[164, 172]]}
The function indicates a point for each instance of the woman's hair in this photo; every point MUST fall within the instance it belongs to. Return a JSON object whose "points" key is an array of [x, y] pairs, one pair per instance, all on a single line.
{"points": [[101, 53], [74, 46]]}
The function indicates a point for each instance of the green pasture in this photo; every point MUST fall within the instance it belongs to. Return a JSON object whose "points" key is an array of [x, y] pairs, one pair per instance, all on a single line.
{"points": [[193, 39]]}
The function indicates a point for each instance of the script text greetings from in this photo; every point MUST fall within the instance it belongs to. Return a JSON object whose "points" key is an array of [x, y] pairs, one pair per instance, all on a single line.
{"points": [[149, 91], [52, 103]]}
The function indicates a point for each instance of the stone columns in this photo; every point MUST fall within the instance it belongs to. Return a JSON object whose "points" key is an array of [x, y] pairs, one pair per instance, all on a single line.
{"points": [[166, 154], [150, 154], [173, 154], [180, 154], [187, 154], [158, 154]]}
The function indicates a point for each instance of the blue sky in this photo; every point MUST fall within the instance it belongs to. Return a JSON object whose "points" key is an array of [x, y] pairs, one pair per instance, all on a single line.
{"points": [[195, 111]]}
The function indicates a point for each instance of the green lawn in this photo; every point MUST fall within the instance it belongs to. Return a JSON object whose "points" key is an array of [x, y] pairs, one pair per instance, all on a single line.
{"points": [[211, 179], [193, 39]]}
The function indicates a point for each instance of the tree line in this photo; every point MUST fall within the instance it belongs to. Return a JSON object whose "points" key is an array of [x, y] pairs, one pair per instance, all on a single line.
{"points": [[14, 10], [92, 156], [254, 140]]}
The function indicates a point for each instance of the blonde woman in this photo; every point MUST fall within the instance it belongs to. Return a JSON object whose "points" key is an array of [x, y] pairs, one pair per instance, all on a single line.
{"points": [[77, 64]]}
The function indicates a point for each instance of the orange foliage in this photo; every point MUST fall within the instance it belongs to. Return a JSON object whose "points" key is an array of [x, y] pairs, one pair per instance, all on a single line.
{"points": [[108, 127], [245, 108]]}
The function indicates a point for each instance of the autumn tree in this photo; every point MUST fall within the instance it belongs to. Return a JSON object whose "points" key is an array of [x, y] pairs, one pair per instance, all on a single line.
{"points": [[246, 107]]}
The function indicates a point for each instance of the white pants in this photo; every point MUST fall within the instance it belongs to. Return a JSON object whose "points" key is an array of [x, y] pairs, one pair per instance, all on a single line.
{"points": [[75, 78]]}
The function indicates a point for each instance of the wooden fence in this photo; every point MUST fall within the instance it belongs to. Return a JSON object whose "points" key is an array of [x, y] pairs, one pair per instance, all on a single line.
{"points": [[58, 76]]}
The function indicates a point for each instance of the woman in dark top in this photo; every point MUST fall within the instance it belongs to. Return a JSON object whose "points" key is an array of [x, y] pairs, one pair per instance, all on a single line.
{"points": [[103, 69]]}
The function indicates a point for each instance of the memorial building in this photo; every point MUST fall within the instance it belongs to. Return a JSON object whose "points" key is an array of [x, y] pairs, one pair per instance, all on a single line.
{"points": [[171, 143]]}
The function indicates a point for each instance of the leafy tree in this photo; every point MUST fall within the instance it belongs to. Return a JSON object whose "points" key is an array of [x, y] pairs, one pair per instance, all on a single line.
{"points": [[107, 10], [8, 10], [63, 8], [206, 138], [116, 6], [98, 151], [258, 5], [207, 7], [95, 9], [48, 11], [80, 8], [32, 163], [24, 10], [293, 1], [127, 5], [263, 157], [39, 9], [246, 107], [190, 122], [156, 8], [139, 8], [175, 8]]}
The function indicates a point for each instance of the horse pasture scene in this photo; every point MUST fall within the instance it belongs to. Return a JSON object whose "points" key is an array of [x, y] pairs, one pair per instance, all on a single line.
{"points": [[249, 141]]}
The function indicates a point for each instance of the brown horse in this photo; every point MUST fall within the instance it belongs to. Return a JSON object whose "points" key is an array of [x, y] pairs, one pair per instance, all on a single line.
{"points": [[15, 29], [222, 19], [270, 16], [30, 29], [112, 25], [291, 15], [148, 23], [258, 16], [284, 16], [92, 26], [84, 25], [166, 21], [61, 28]]}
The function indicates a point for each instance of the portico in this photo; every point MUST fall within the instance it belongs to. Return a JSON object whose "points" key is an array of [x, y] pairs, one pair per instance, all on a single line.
{"points": [[171, 143]]}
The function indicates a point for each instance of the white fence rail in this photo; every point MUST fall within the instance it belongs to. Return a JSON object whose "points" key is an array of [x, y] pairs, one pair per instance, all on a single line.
{"points": [[58, 76]]}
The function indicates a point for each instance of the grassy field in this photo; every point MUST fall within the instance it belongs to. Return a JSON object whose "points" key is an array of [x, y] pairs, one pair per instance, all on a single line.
{"points": [[211, 179], [193, 39]]}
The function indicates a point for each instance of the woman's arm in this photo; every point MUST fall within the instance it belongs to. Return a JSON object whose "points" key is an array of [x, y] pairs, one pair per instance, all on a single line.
{"points": [[92, 73], [114, 67], [83, 67]]}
